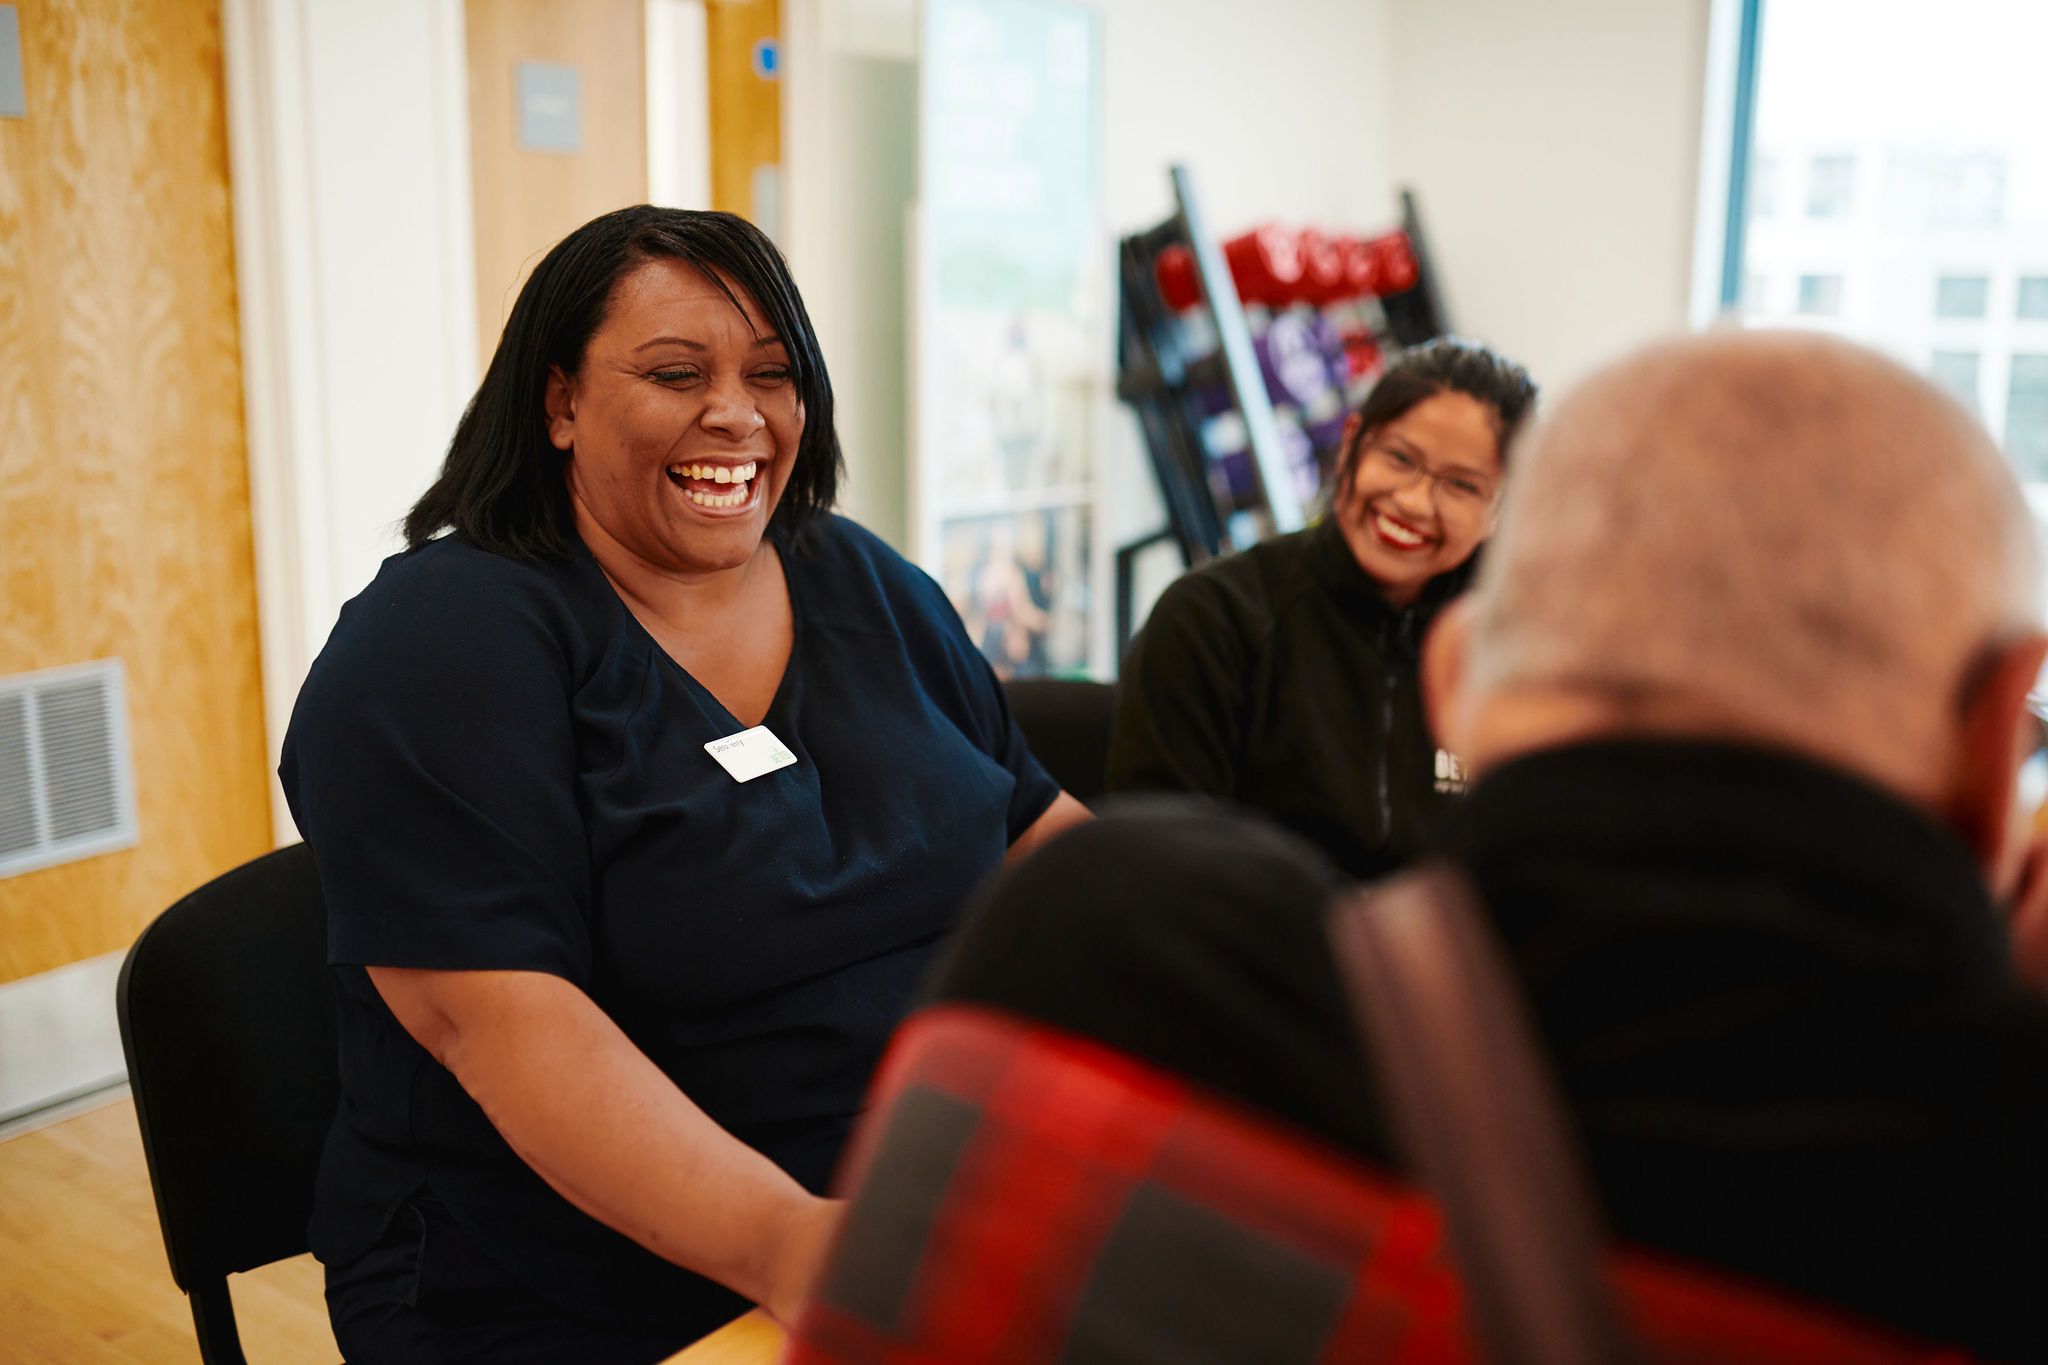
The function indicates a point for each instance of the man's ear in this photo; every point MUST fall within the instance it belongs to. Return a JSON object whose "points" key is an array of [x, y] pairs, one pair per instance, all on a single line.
{"points": [[1996, 735], [1443, 674], [560, 404]]}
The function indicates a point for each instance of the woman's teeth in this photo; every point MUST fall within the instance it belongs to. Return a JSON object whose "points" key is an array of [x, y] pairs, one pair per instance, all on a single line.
{"points": [[740, 476], [1396, 532], [715, 473]]}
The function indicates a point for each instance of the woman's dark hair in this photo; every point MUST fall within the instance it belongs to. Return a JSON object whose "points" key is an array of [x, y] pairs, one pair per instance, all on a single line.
{"points": [[1446, 365], [501, 485]]}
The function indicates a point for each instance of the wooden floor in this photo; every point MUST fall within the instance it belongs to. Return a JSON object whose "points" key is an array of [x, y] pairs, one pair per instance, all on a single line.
{"points": [[82, 1271]]}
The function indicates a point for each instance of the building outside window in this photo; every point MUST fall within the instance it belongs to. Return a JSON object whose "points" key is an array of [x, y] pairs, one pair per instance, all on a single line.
{"points": [[1956, 371], [2026, 417], [1914, 153], [1763, 187], [2033, 299], [1830, 186], [1820, 296], [1961, 296]]}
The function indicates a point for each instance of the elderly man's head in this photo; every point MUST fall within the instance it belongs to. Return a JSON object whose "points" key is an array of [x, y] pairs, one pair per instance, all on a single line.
{"points": [[1767, 536]]}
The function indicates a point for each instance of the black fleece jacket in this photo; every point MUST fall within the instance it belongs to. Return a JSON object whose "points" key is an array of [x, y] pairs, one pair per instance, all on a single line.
{"points": [[1281, 679]]}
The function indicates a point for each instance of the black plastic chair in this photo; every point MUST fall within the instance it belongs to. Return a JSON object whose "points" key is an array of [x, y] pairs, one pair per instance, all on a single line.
{"points": [[227, 1018], [1068, 724]]}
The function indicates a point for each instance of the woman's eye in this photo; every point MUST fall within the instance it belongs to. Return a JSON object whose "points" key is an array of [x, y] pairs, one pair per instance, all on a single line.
{"points": [[1399, 460], [673, 376], [1470, 490], [775, 376]]}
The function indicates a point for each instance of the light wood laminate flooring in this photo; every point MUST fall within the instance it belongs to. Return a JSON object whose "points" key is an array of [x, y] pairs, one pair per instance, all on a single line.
{"points": [[83, 1279]]}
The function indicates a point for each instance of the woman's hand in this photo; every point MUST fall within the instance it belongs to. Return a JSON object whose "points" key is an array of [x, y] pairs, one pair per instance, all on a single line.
{"points": [[799, 1254]]}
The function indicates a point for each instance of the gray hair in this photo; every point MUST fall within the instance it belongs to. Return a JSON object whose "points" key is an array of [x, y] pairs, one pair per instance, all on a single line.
{"points": [[1781, 526]]}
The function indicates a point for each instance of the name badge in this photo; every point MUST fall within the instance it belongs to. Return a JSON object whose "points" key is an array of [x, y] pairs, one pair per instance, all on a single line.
{"points": [[750, 753]]}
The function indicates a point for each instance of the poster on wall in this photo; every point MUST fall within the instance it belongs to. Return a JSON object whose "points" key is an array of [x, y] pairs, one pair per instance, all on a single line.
{"points": [[1009, 286], [1020, 582]]}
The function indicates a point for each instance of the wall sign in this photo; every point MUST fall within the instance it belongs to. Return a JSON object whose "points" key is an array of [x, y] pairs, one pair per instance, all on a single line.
{"points": [[13, 94], [550, 107]]}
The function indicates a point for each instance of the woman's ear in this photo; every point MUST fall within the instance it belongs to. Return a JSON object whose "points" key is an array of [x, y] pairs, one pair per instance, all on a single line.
{"points": [[1443, 675], [1996, 734], [561, 409]]}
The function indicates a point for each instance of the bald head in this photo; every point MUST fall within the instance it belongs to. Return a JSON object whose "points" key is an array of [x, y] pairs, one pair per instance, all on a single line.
{"points": [[1777, 533]]}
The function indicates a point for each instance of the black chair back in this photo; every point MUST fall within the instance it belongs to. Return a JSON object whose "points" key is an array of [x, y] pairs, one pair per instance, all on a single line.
{"points": [[1068, 725], [227, 1018]]}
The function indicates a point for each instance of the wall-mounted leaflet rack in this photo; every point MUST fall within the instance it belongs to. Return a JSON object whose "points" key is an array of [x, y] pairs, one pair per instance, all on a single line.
{"points": [[1190, 366], [1164, 384]]}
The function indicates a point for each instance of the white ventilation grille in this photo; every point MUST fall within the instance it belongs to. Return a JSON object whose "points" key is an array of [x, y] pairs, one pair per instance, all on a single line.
{"points": [[67, 784]]}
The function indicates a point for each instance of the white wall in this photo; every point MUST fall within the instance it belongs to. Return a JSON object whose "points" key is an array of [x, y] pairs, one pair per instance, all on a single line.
{"points": [[849, 171], [348, 132], [1279, 109], [1555, 151]]}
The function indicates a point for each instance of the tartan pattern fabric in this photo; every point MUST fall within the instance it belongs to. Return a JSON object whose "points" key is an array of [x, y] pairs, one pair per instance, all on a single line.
{"points": [[1023, 1195]]}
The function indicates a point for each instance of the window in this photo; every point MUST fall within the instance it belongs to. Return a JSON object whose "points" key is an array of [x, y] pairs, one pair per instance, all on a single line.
{"points": [[1961, 296], [1956, 371], [1820, 296], [2026, 417], [2033, 304], [1830, 186], [1763, 187], [1968, 190], [1910, 161], [1933, 186]]}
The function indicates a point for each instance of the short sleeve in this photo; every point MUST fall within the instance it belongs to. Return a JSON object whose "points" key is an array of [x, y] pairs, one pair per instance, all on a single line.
{"points": [[1032, 790], [1035, 790], [989, 721], [431, 766], [1180, 697]]}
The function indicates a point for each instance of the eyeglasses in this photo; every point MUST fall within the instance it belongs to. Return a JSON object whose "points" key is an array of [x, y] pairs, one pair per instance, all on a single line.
{"points": [[1456, 488]]}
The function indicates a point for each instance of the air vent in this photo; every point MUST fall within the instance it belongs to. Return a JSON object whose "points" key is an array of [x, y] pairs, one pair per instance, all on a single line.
{"points": [[67, 785]]}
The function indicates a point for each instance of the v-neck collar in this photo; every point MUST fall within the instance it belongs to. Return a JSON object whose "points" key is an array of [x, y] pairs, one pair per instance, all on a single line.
{"points": [[785, 686]]}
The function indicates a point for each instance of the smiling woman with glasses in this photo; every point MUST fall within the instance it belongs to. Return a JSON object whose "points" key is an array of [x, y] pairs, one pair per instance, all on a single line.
{"points": [[1284, 678]]}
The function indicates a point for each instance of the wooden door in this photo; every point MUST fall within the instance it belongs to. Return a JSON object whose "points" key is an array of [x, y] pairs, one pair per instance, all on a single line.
{"points": [[746, 109], [124, 501], [527, 199]]}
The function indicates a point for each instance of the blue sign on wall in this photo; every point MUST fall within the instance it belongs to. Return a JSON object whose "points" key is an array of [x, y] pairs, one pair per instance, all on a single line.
{"points": [[550, 107], [767, 59], [13, 94]]}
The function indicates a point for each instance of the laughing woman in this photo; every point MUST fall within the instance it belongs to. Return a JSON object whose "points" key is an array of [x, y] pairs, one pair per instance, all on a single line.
{"points": [[642, 790], [1284, 678]]}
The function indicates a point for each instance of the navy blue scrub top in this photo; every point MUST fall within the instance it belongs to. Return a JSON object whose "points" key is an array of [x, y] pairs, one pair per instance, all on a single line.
{"points": [[497, 767]]}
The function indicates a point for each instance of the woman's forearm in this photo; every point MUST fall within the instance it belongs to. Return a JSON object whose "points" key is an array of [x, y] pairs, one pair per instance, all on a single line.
{"points": [[600, 1123]]}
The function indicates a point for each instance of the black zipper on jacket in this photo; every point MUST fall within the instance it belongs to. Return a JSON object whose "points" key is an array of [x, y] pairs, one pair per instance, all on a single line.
{"points": [[1390, 632], [1397, 639]]}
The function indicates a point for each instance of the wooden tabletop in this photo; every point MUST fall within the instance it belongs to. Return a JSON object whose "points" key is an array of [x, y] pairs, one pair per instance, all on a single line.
{"points": [[752, 1340]]}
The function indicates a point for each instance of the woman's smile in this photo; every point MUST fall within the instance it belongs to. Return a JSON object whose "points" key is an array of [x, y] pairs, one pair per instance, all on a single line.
{"points": [[719, 488], [1399, 535]]}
